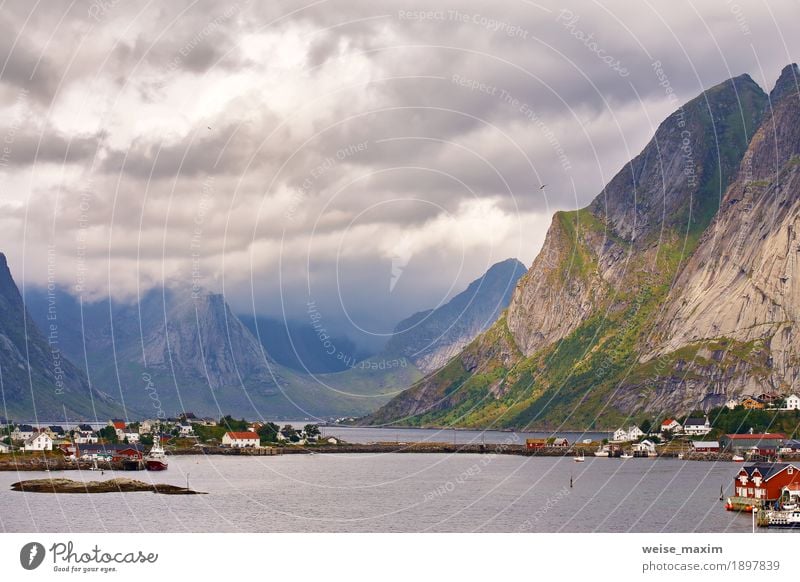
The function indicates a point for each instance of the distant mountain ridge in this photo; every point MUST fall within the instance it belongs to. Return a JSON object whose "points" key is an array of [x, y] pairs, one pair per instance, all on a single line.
{"points": [[430, 338]]}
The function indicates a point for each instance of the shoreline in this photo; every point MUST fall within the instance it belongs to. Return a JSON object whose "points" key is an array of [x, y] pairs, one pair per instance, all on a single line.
{"points": [[52, 462]]}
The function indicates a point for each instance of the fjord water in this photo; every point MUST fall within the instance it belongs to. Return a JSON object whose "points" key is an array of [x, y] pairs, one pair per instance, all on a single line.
{"points": [[392, 493]]}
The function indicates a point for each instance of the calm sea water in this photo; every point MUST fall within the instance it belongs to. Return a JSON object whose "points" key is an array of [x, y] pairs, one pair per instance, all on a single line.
{"points": [[357, 434], [393, 493]]}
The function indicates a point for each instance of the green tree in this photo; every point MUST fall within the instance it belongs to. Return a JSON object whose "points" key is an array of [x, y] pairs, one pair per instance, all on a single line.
{"points": [[268, 433], [290, 433], [646, 426], [109, 434], [233, 425], [311, 430]]}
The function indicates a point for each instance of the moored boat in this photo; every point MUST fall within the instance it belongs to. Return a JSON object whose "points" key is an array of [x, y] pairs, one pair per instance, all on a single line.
{"points": [[156, 460]]}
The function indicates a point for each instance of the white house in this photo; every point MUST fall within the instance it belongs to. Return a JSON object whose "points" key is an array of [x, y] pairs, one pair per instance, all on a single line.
{"points": [[697, 426], [731, 404], [185, 429], [39, 442], [145, 427], [4, 448], [22, 432], [671, 425], [85, 437], [646, 446], [132, 437], [633, 433], [240, 440], [792, 402]]}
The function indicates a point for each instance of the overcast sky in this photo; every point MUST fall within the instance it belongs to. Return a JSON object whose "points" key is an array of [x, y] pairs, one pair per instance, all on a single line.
{"points": [[372, 157]]}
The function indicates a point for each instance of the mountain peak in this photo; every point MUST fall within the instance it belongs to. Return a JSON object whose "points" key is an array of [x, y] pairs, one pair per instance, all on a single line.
{"points": [[787, 83]]}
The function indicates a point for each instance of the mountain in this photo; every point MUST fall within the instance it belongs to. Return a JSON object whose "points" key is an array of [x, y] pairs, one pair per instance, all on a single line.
{"points": [[298, 347], [430, 338], [580, 321], [37, 381], [730, 326], [180, 351]]}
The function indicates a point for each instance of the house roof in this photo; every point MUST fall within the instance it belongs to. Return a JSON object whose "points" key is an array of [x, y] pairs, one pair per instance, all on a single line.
{"points": [[695, 422], [25, 428], [120, 424], [668, 421], [56, 428], [769, 436], [792, 443], [243, 435], [35, 436], [85, 427], [705, 444], [767, 470]]}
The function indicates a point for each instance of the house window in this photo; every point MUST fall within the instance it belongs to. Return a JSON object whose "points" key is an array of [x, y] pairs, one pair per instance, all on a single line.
{"points": [[790, 470]]}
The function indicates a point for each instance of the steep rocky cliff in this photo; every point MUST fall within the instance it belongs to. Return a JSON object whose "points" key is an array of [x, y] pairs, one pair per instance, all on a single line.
{"points": [[37, 381], [730, 324], [580, 318]]}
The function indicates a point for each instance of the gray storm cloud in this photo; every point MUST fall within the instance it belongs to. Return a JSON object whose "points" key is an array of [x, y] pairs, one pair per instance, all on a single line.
{"points": [[282, 153]]}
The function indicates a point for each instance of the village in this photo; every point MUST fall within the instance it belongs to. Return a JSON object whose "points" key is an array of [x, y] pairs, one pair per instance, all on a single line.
{"points": [[121, 441]]}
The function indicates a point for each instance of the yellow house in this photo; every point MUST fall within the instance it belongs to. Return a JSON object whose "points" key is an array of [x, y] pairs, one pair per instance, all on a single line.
{"points": [[752, 404]]}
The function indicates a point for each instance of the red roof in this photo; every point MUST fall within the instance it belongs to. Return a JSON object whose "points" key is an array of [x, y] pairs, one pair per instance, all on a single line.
{"points": [[765, 436], [119, 424], [667, 421], [242, 435]]}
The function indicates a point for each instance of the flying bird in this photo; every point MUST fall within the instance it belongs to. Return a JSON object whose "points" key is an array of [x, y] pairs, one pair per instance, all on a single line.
{"points": [[543, 186]]}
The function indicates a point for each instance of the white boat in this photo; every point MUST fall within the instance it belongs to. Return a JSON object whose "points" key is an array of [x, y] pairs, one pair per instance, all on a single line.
{"points": [[626, 456], [737, 459], [580, 458], [601, 453]]}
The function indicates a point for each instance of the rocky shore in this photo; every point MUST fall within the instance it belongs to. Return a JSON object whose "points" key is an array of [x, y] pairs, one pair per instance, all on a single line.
{"points": [[118, 485]]}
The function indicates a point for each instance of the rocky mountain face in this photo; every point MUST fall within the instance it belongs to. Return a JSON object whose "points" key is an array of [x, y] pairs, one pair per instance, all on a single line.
{"points": [[176, 351], [298, 347], [429, 339], [37, 381], [729, 327], [605, 296]]}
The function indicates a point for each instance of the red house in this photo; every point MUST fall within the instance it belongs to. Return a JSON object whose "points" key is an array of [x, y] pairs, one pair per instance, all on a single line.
{"points": [[765, 480], [127, 452], [535, 443]]}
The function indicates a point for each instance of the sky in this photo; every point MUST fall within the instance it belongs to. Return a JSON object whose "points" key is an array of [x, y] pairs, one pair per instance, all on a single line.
{"points": [[366, 158]]}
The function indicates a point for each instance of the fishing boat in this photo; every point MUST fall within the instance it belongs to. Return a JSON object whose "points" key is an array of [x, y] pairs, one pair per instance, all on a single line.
{"points": [[737, 459], [579, 458], [626, 456], [156, 459], [601, 452]]}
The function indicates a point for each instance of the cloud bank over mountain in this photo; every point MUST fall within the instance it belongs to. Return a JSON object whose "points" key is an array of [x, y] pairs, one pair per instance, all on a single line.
{"points": [[369, 159]]}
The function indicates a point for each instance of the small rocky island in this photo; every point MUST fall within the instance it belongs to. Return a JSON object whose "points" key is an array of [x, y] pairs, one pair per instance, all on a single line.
{"points": [[109, 486]]}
